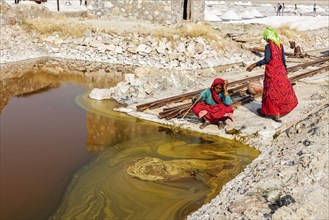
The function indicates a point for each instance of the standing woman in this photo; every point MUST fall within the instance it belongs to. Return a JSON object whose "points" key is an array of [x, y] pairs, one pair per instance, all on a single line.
{"points": [[296, 10], [278, 97], [214, 105]]}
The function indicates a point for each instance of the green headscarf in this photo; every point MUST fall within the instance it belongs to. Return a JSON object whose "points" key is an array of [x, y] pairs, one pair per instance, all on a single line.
{"points": [[271, 34]]}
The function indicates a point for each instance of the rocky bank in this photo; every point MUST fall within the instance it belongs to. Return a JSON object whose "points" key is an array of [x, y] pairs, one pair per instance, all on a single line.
{"points": [[289, 180]]}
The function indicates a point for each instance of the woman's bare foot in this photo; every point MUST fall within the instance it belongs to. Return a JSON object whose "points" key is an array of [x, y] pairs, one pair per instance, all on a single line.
{"points": [[221, 125], [277, 119], [204, 124]]}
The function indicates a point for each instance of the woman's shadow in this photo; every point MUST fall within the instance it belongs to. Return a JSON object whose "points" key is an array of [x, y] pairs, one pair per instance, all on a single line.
{"points": [[253, 106]]}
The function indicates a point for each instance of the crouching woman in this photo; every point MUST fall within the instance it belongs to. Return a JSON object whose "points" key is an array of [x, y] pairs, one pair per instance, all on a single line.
{"points": [[214, 105]]}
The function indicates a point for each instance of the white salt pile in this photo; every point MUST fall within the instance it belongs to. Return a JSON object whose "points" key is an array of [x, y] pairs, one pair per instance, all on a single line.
{"points": [[230, 16], [218, 11], [210, 14], [211, 3], [211, 17], [209, 9], [247, 15], [256, 13]]}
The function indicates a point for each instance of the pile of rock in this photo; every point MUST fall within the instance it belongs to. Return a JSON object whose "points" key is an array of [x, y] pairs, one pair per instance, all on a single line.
{"points": [[132, 48], [141, 50]]}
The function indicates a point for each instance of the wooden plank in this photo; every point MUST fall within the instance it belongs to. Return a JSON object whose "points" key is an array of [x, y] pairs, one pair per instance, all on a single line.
{"points": [[244, 39], [174, 107], [236, 34]]}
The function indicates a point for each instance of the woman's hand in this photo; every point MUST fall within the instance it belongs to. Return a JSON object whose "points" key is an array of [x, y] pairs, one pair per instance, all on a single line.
{"points": [[225, 88], [251, 67], [195, 99]]}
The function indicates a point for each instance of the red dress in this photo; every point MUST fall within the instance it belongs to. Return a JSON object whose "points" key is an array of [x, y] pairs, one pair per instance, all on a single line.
{"points": [[213, 112], [279, 97]]}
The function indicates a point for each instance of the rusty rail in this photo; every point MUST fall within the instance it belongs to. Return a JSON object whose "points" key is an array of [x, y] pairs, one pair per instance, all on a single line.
{"points": [[304, 65], [309, 74], [242, 82]]}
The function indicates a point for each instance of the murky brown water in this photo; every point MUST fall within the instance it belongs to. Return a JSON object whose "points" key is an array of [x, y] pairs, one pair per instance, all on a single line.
{"points": [[42, 143], [69, 157]]}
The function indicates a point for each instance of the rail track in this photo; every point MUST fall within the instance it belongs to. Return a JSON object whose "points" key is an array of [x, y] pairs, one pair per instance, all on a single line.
{"points": [[237, 91]]}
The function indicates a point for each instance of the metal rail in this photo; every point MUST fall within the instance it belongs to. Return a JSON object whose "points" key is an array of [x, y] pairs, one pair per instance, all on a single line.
{"points": [[309, 74]]}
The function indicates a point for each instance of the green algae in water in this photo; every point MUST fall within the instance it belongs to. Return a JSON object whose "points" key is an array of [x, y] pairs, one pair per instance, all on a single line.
{"points": [[155, 176]]}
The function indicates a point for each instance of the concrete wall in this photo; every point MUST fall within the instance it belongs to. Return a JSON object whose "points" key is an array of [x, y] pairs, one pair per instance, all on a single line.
{"points": [[155, 11]]}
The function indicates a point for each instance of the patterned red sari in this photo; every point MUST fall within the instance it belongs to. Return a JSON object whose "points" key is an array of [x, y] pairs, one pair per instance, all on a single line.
{"points": [[213, 113], [279, 97]]}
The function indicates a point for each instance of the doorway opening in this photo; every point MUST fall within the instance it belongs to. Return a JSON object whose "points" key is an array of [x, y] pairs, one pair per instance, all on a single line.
{"points": [[187, 10]]}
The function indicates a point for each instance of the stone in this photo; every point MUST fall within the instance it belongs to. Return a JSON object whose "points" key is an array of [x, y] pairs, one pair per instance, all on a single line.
{"points": [[273, 195], [11, 21], [100, 94], [129, 78], [108, 4], [118, 50]]}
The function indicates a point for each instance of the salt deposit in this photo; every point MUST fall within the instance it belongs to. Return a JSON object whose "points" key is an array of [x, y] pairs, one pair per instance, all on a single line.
{"points": [[266, 5], [242, 3], [256, 13], [212, 3], [230, 16], [52, 5], [301, 23], [247, 15], [212, 13], [218, 11], [211, 17], [208, 9]]}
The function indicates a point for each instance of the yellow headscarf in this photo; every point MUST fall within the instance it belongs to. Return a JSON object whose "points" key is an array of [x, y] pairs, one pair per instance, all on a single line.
{"points": [[271, 34]]}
